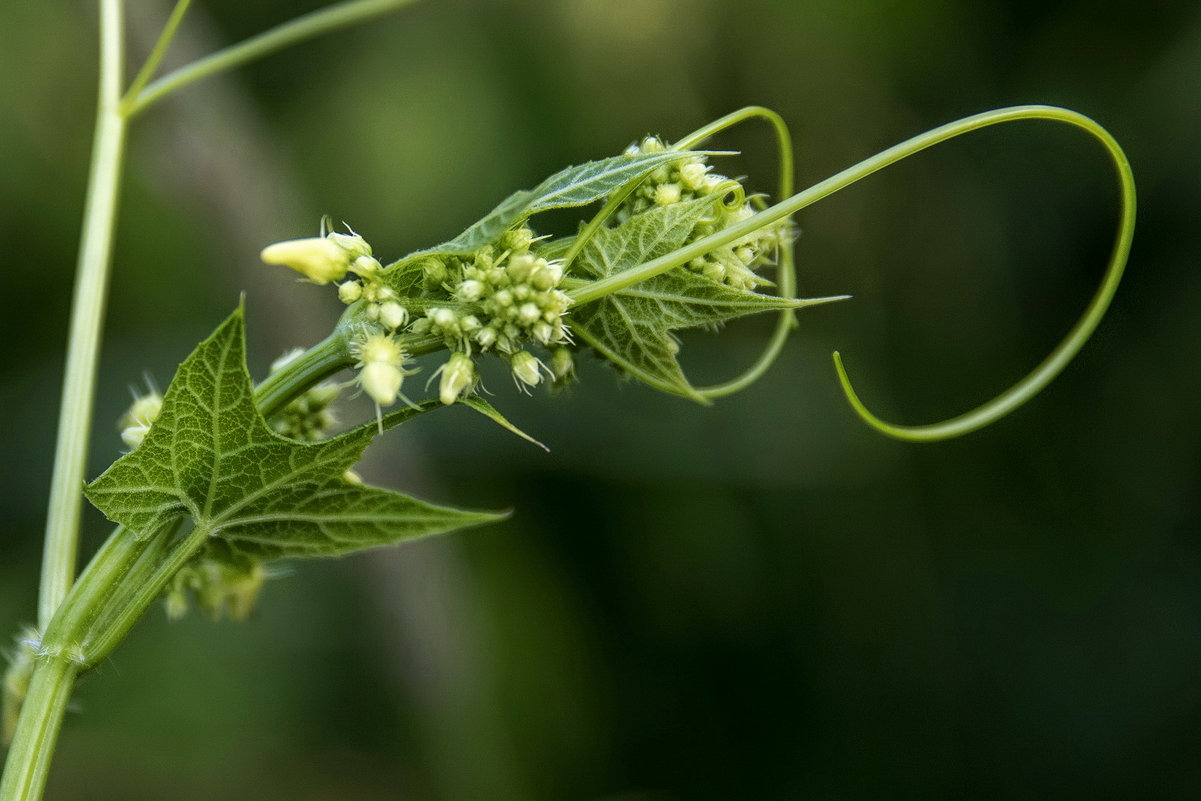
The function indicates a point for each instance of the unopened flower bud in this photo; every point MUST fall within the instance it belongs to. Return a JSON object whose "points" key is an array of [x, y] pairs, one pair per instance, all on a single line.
{"points": [[354, 245], [458, 377], [520, 267], [444, 318], [365, 265], [316, 258], [470, 291], [651, 144], [562, 365], [486, 337], [667, 194], [546, 275], [517, 240], [526, 368], [435, 272], [393, 315], [529, 313], [692, 176], [349, 292], [544, 332]]}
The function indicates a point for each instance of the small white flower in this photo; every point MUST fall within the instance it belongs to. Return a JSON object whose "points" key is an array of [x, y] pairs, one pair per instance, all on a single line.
{"points": [[381, 363]]}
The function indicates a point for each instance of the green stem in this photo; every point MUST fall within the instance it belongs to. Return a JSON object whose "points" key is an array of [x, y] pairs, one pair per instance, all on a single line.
{"points": [[60, 660], [41, 718], [316, 364], [156, 54], [1033, 382], [97, 646], [263, 44], [786, 274], [87, 319]]}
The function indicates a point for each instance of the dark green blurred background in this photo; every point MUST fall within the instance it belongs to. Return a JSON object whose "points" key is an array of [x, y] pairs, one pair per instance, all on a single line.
{"points": [[760, 600]]}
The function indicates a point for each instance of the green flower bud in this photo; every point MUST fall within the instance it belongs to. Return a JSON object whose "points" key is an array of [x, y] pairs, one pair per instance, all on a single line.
{"points": [[458, 377], [365, 265], [470, 291], [503, 298], [544, 332], [667, 194], [445, 319], [518, 240], [529, 313], [520, 267], [692, 176], [486, 337], [652, 144], [435, 272], [354, 245], [320, 260], [562, 365], [349, 292], [392, 315], [526, 368]]}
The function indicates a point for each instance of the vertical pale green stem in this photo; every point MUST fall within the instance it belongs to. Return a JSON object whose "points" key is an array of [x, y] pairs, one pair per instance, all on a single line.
{"points": [[87, 318], [41, 718]]}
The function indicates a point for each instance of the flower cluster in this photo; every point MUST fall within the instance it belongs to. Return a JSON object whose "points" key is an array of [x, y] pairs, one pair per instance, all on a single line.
{"points": [[690, 178], [220, 588], [501, 301]]}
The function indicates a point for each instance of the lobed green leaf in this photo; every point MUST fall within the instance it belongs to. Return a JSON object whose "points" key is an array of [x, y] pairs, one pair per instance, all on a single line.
{"points": [[212, 456], [632, 327]]}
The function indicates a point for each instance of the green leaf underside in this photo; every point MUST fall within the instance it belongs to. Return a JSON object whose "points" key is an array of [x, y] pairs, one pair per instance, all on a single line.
{"points": [[632, 327], [212, 456], [574, 186]]}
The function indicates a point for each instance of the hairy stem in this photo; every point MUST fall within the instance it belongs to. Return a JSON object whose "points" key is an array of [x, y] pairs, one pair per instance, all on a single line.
{"points": [[315, 364], [99, 645], [60, 660], [87, 319]]}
